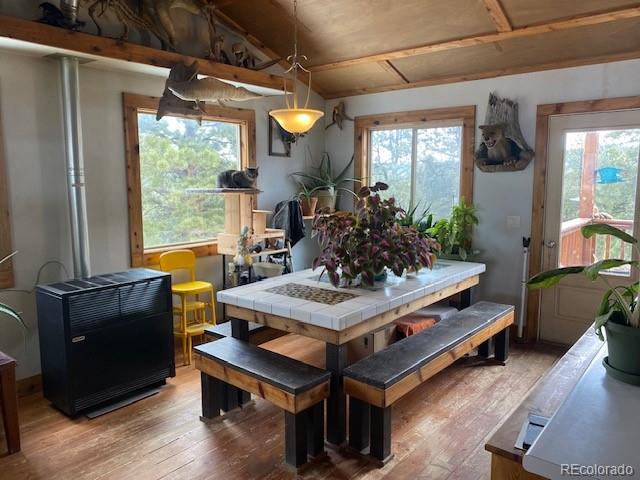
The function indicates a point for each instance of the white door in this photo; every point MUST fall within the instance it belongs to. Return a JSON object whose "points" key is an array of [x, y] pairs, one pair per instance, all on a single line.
{"points": [[592, 176]]}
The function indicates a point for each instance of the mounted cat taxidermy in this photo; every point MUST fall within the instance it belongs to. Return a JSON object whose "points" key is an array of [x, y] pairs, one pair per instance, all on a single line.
{"points": [[238, 178], [211, 89], [503, 148]]}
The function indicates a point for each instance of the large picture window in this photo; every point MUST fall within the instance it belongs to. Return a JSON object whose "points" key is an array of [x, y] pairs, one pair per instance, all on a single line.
{"points": [[426, 157], [168, 161]]}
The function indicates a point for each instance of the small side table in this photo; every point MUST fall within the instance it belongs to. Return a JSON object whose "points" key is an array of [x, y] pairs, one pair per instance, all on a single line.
{"points": [[9, 402]]}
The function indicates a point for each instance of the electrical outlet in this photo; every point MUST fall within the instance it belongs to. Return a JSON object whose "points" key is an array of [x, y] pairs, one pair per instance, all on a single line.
{"points": [[513, 222]]}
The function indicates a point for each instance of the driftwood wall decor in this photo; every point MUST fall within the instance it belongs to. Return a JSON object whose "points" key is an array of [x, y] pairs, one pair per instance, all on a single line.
{"points": [[502, 147]]}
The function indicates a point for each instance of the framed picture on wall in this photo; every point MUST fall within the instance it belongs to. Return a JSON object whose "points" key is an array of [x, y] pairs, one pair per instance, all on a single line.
{"points": [[279, 139]]}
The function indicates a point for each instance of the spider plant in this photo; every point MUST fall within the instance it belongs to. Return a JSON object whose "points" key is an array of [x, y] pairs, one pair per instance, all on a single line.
{"points": [[6, 310]]}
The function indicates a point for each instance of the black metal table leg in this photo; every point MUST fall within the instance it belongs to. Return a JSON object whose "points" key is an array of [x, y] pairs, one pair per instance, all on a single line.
{"points": [[502, 345], [336, 361], [240, 330], [381, 433], [212, 388], [315, 429], [359, 421], [295, 438]]}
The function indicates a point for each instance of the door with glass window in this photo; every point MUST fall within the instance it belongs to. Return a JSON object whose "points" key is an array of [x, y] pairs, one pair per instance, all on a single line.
{"points": [[592, 177]]}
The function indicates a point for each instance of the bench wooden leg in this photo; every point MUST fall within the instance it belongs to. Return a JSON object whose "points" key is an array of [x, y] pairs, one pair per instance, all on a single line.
{"points": [[212, 392], [9, 405], [240, 330], [359, 421], [336, 362], [295, 438], [315, 429], [502, 345], [381, 433]]}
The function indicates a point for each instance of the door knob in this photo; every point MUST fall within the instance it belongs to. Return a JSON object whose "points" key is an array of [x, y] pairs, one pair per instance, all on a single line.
{"points": [[550, 243]]}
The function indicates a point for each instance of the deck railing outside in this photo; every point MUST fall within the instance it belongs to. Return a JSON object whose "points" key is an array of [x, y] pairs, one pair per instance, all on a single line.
{"points": [[577, 250]]}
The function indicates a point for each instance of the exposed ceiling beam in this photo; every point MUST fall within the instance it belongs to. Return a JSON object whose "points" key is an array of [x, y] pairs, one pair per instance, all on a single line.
{"points": [[613, 57], [498, 15], [564, 24], [93, 45], [256, 42], [390, 67]]}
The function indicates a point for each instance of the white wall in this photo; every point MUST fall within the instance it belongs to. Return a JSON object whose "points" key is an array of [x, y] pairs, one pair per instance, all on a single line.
{"points": [[497, 195], [31, 117]]}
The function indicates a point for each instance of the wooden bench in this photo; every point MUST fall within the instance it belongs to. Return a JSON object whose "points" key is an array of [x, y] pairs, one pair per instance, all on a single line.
{"points": [[258, 333], [229, 366], [376, 382], [9, 402]]}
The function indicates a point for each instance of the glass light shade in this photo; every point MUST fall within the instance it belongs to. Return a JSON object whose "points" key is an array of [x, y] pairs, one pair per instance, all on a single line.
{"points": [[296, 120]]}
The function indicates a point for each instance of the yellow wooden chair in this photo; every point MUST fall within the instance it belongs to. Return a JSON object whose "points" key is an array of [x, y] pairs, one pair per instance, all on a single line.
{"points": [[185, 260]]}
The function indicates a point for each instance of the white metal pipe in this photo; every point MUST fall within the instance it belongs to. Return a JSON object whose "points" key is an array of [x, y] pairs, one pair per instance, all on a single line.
{"points": [[70, 10], [524, 290], [70, 74]]}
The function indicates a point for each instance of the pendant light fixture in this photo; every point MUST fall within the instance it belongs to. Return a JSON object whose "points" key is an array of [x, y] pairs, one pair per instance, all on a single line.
{"points": [[294, 119]]}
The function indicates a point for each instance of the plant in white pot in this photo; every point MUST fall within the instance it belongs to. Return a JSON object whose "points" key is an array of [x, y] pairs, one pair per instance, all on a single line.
{"points": [[618, 313], [324, 184]]}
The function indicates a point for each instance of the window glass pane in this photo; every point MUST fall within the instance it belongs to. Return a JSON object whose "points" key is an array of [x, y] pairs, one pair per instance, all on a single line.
{"points": [[598, 186], [391, 162], [438, 169], [177, 154]]}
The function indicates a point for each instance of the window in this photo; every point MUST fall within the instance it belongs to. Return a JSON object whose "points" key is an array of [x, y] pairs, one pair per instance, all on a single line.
{"points": [[168, 160], [426, 157]]}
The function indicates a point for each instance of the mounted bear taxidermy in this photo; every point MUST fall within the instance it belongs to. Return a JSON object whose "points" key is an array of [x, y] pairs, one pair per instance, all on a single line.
{"points": [[503, 148]]}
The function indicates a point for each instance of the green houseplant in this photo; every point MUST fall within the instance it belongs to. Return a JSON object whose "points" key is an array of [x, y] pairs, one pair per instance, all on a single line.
{"points": [[455, 233], [360, 245], [618, 313], [6, 310], [307, 201], [324, 184]]}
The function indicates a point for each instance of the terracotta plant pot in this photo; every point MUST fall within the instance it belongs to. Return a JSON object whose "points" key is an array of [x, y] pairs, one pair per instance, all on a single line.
{"points": [[326, 199], [623, 361], [309, 205]]}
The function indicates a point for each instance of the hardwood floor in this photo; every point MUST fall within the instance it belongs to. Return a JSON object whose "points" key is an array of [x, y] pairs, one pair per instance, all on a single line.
{"points": [[439, 430]]}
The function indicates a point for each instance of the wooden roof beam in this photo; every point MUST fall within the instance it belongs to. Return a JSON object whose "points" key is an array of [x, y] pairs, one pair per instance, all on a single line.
{"points": [[564, 24], [93, 45], [390, 67], [498, 15], [613, 57]]}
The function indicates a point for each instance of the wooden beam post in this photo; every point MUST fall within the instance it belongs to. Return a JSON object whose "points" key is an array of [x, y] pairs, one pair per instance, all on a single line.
{"points": [[588, 189], [498, 15]]}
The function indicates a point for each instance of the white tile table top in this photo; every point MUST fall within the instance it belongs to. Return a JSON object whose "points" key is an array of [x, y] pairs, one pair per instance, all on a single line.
{"points": [[384, 296]]}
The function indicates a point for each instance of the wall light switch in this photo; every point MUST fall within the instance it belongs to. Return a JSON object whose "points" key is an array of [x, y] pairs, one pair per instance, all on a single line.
{"points": [[513, 222]]}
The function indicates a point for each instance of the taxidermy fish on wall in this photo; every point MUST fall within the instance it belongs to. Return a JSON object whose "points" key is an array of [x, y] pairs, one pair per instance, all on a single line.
{"points": [[211, 89]]}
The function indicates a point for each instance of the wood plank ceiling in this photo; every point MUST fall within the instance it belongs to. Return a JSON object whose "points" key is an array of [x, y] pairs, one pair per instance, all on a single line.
{"points": [[364, 46]]}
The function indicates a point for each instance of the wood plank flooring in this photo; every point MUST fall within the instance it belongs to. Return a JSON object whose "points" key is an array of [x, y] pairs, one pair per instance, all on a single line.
{"points": [[439, 430]]}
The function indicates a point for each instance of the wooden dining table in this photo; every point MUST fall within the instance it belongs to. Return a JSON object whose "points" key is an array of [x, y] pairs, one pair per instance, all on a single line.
{"points": [[305, 303]]}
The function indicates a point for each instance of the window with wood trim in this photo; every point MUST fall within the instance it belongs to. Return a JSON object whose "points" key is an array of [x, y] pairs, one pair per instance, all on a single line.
{"points": [[168, 162], [6, 268], [426, 156]]}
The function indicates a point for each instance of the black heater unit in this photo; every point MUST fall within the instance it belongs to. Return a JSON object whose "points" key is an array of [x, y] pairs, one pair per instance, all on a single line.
{"points": [[104, 337]]}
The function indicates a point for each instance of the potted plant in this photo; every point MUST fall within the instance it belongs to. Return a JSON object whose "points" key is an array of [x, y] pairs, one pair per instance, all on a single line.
{"points": [[5, 309], [307, 201], [618, 313], [454, 234], [324, 184], [361, 245]]}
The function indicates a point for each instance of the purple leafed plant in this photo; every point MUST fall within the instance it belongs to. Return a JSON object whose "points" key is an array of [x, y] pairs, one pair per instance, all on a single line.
{"points": [[364, 242]]}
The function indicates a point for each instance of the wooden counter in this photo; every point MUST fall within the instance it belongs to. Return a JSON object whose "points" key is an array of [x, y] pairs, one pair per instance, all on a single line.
{"points": [[544, 399]]}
